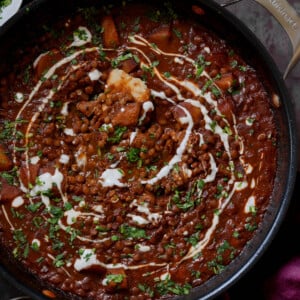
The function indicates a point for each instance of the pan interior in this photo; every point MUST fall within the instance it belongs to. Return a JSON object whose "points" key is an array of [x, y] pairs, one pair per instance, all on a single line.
{"points": [[254, 53]]}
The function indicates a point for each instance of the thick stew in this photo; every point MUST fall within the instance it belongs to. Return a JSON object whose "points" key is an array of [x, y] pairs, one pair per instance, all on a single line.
{"points": [[137, 153]]}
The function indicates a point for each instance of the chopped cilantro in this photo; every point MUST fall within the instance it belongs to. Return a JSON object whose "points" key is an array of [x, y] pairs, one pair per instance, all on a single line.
{"points": [[207, 84], [184, 203], [215, 266], [35, 246], [193, 239], [116, 61], [77, 198], [213, 126], [250, 226], [215, 91], [167, 286], [7, 129], [146, 289], [81, 34], [68, 206], [177, 33], [33, 207], [115, 238], [16, 214], [132, 232], [201, 64], [119, 131], [133, 155], [233, 63], [167, 74], [236, 234], [59, 260], [116, 278]]}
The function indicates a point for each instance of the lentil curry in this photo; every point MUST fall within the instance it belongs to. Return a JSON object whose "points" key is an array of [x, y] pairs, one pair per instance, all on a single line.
{"points": [[138, 154]]}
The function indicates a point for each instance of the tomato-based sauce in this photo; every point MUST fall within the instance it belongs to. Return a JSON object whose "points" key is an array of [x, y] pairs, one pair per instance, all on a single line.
{"points": [[138, 154]]}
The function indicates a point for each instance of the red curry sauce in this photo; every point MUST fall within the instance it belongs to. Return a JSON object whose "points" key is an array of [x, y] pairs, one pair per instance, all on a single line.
{"points": [[138, 154]]}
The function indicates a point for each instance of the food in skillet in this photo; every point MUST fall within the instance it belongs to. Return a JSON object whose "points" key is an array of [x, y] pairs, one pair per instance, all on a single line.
{"points": [[138, 154]]}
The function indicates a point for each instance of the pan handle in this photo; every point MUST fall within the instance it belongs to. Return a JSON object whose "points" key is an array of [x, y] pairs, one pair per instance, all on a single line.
{"points": [[290, 21]]}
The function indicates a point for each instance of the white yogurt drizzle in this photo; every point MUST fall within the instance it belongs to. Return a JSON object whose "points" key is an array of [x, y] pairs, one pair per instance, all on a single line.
{"points": [[17, 202], [94, 75], [34, 160], [81, 37], [138, 219], [144, 208], [138, 40], [179, 151], [133, 136], [207, 50], [251, 203], [64, 159], [45, 101], [45, 183], [37, 60], [143, 248], [201, 139], [88, 259], [7, 218], [194, 250], [69, 131], [19, 97], [147, 107], [112, 177], [65, 109]]}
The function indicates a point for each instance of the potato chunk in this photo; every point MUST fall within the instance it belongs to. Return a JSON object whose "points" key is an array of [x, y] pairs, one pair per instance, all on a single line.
{"points": [[128, 115], [119, 80]]}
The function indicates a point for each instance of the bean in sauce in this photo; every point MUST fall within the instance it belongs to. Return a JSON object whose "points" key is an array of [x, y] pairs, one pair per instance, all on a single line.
{"points": [[138, 154]]}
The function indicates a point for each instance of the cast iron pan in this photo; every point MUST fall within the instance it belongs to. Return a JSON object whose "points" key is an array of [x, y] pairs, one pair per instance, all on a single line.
{"points": [[29, 21]]}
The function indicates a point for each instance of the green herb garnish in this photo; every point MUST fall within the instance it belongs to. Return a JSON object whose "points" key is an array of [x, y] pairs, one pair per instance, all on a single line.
{"points": [[132, 232]]}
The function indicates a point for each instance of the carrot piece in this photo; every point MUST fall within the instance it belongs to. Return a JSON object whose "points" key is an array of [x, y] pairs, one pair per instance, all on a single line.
{"points": [[45, 61], [49, 294], [225, 82], [5, 162], [129, 116], [129, 65], [193, 110], [161, 34], [198, 10], [8, 192], [28, 176], [226, 108], [110, 33]]}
